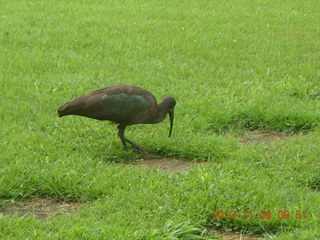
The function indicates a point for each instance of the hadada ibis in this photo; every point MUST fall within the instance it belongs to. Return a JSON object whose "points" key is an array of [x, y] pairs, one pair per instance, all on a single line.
{"points": [[123, 104]]}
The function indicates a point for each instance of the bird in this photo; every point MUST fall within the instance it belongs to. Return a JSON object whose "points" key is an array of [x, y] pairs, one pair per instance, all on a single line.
{"points": [[124, 105]]}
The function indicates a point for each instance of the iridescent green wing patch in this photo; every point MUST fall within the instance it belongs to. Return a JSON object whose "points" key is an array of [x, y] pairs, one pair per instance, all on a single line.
{"points": [[124, 105]]}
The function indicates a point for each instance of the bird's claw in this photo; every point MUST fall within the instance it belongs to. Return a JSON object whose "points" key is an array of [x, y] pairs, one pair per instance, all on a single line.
{"points": [[144, 153], [138, 148]]}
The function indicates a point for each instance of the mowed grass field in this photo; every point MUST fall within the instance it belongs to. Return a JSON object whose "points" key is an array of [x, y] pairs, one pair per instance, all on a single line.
{"points": [[233, 67]]}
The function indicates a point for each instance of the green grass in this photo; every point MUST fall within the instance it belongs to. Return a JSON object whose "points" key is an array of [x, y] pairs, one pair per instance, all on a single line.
{"points": [[233, 66]]}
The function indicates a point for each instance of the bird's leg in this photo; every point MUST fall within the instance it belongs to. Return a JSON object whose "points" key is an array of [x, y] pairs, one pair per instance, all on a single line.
{"points": [[125, 140], [122, 137]]}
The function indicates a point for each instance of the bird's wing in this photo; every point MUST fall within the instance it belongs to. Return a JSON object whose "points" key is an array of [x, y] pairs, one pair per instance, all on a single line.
{"points": [[119, 107], [123, 105], [117, 103]]}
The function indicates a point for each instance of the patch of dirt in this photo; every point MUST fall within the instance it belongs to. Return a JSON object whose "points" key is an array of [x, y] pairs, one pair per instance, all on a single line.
{"points": [[235, 236], [168, 165], [261, 136], [41, 208], [221, 235]]}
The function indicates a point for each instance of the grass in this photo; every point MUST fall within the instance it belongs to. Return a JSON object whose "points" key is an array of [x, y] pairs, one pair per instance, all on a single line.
{"points": [[232, 66]]}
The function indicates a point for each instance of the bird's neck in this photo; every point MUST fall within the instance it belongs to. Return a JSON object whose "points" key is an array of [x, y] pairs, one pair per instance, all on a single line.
{"points": [[161, 116], [162, 112]]}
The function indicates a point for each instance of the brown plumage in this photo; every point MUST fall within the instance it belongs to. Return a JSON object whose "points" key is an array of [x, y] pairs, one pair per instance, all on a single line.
{"points": [[123, 104]]}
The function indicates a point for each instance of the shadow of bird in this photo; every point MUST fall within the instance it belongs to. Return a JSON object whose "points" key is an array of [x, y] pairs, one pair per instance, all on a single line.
{"points": [[123, 104]]}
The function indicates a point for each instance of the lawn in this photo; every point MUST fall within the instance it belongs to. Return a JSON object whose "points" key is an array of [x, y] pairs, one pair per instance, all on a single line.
{"points": [[234, 67]]}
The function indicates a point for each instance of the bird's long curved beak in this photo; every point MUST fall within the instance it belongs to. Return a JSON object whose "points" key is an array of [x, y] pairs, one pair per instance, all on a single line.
{"points": [[171, 115]]}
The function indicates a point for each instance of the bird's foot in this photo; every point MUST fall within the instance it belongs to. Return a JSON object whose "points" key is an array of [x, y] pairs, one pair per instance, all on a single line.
{"points": [[144, 153], [138, 148]]}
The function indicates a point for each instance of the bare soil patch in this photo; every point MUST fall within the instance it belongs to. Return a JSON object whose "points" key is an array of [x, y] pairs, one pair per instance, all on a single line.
{"points": [[168, 165], [41, 208], [261, 136], [235, 236]]}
